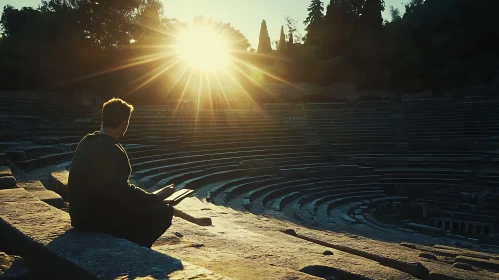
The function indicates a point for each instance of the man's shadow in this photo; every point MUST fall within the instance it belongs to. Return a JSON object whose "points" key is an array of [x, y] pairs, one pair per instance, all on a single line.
{"points": [[90, 255]]}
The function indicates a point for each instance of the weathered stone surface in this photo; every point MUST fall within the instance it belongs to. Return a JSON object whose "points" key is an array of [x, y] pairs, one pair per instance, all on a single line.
{"points": [[7, 182], [427, 256], [3, 158], [415, 269], [289, 231], [60, 182], [16, 155], [5, 171], [324, 272], [36, 188], [51, 248], [489, 264], [12, 268], [408, 245], [198, 245], [464, 266]]}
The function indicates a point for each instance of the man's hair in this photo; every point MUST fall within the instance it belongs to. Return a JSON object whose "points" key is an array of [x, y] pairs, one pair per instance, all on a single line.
{"points": [[114, 112]]}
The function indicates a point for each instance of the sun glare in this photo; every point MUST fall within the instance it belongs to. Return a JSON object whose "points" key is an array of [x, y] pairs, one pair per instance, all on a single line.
{"points": [[202, 47]]}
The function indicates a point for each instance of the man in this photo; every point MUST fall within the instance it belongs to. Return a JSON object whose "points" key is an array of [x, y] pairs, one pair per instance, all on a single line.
{"points": [[101, 197]]}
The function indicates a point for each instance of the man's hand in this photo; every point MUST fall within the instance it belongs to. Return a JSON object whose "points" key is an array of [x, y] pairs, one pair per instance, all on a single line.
{"points": [[165, 192]]}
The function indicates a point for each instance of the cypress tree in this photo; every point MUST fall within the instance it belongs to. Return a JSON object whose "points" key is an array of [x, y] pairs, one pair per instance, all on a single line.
{"points": [[282, 41], [264, 45]]}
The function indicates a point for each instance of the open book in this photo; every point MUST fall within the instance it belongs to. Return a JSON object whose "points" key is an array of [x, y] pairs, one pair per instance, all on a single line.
{"points": [[178, 196]]}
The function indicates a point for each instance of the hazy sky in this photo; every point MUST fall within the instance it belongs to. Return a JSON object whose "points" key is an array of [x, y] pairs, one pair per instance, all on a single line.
{"points": [[244, 15]]}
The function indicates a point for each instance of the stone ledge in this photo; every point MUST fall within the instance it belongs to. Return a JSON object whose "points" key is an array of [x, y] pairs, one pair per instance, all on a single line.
{"points": [[8, 182], [36, 188], [5, 171], [12, 268], [488, 264], [43, 236], [415, 269], [59, 181]]}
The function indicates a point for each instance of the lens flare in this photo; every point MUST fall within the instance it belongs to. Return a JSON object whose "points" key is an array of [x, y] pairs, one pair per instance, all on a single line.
{"points": [[202, 47]]}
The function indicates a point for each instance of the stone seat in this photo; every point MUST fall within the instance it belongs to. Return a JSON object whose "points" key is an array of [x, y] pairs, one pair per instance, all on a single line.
{"points": [[339, 201], [313, 193], [238, 139], [279, 203], [242, 127], [218, 153], [212, 193], [45, 160], [263, 189], [147, 168], [180, 174], [42, 235], [202, 145], [38, 151], [7, 180], [247, 186], [37, 189], [345, 194], [456, 214], [272, 192]]}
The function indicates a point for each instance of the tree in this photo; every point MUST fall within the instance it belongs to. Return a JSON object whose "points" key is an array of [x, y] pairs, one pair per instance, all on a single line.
{"points": [[314, 22], [395, 13], [289, 48], [291, 25], [282, 42], [371, 17], [15, 21], [264, 45]]}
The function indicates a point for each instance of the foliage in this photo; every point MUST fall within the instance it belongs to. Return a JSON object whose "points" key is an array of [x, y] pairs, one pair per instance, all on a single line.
{"points": [[264, 45], [121, 47], [395, 13], [109, 47], [281, 47], [435, 44], [313, 22]]}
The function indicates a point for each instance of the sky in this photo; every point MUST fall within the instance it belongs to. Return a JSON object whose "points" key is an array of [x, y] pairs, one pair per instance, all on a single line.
{"points": [[244, 15]]}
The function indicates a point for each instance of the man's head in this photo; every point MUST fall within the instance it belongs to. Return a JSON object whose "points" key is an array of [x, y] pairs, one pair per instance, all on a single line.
{"points": [[116, 115]]}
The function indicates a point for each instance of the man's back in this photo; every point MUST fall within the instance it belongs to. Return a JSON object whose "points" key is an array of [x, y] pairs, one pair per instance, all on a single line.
{"points": [[100, 196]]}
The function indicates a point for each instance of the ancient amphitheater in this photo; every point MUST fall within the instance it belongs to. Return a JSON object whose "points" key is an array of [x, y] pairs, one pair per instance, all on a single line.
{"points": [[361, 190]]}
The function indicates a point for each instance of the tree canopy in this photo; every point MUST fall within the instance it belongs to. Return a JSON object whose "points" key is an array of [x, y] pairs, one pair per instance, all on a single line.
{"points": [[122, 47]]}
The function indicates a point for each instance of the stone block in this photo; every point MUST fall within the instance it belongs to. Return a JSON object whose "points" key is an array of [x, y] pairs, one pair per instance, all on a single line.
{"points": [[16, 155], [59, 181], [5, 171], [36, 188], [12, 267], [464, 266], [488, 264], [7, 182], [52, 250]]}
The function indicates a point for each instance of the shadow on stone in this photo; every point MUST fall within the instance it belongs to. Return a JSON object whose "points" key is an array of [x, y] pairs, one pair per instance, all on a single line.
{"points": [[329, 273], [105, 257]]}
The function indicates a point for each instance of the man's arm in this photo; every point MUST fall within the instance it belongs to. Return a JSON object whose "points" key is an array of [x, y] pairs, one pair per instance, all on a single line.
{"points": [[114, 165]]}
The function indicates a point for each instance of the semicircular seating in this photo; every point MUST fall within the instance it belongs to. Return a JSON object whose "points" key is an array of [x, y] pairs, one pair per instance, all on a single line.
{"points": [[327, 165]]}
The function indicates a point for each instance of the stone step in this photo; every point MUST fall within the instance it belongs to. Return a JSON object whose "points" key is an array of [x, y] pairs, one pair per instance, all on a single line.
{"points": [[53, 250]]}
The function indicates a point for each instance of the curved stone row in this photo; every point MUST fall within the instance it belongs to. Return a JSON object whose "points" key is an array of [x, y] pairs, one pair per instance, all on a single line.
{"points": [[317, 161]]}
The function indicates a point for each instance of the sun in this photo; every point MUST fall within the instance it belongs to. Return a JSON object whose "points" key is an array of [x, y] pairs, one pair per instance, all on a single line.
{"points": [[202, 47]]}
